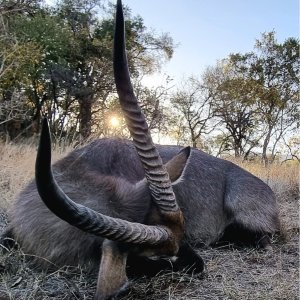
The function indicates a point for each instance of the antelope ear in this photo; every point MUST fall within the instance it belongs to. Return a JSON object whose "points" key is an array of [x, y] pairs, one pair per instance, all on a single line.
{"points": [[176, 165]]}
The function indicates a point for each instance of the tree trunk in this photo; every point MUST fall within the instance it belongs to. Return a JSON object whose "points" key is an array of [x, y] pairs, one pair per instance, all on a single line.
{"points": [[265, 146], [236, 152], [238, 149], [85, 116], [194, 143]]}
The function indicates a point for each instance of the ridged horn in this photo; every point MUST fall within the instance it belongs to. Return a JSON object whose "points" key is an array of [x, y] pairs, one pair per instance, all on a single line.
{"points": [[83, 217], [156, 174]]}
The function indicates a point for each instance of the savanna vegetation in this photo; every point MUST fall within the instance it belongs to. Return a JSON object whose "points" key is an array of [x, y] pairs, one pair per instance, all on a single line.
{"points": [[56, 61]]}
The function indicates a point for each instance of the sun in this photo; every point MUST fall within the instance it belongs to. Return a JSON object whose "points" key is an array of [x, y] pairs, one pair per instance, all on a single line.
{"points": [[114, 121]]}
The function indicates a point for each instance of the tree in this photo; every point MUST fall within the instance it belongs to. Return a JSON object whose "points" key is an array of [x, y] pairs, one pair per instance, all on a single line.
{"points": [[233, 99], [94, 65], [256, 94], [277, 68], [17, 57], [153, 101], [193, 103], [70, 77]]}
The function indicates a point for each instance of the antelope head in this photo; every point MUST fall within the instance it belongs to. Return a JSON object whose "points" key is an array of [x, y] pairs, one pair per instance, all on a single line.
{"points": [[162, 232]]}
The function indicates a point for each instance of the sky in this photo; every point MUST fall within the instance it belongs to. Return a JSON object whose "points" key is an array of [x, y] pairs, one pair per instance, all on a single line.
{"points": [[207, 31]]}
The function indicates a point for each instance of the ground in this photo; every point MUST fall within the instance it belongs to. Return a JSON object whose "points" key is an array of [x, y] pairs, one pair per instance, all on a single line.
{"points": [[231, 273]]}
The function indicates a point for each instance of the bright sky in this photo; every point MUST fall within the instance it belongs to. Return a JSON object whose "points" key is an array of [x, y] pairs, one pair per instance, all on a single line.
{"points": [[210, 30]]}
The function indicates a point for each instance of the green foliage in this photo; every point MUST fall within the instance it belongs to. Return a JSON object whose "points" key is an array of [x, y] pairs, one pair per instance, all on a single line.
{"points": [[18, 60], [49, 33], [255, 94], [58, 61], [61, 61]]}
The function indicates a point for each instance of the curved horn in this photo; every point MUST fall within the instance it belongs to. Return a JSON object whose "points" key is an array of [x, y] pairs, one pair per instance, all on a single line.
{"points": [[156, 174], [83, 217]]}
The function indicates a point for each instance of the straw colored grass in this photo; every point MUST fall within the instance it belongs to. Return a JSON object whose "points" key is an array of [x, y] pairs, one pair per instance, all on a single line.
{"points": [[283, 177], [17, 168], [235, 274]]}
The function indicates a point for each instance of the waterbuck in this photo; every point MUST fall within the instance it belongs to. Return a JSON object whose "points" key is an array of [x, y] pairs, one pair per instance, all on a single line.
{"points": [[113, 198]]}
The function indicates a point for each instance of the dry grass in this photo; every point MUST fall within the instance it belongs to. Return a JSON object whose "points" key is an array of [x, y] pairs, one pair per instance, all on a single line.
{"points": [[231, 273], [17, 168], [283, 178]]}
